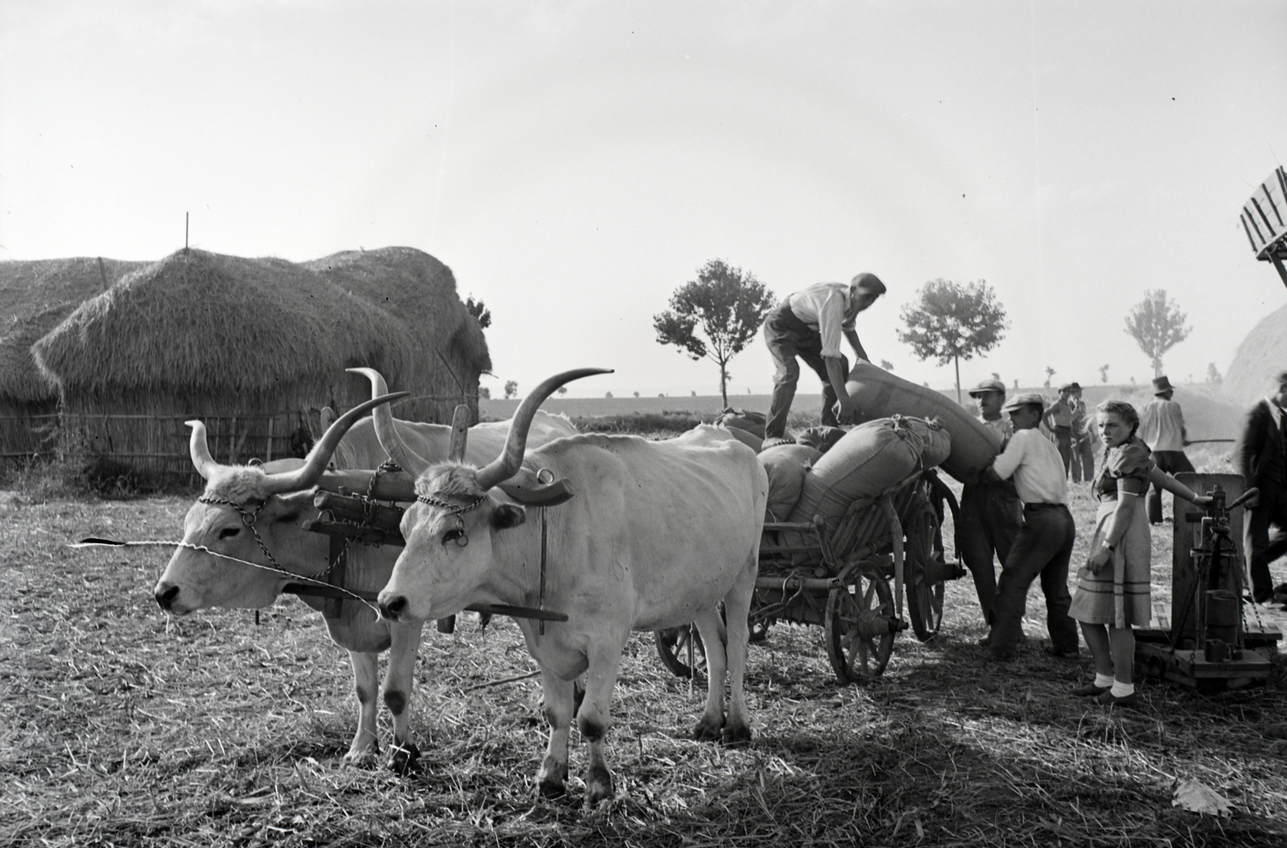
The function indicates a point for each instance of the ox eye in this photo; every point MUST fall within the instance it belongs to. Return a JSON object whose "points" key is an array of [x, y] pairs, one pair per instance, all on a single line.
{"points": [[229, 532], [456, 535]]}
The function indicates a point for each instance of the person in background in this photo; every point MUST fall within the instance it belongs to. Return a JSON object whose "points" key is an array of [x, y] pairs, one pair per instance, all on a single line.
{"points": [[991, 512], [809, 324], [1260, 456], [1083, 438], [1059, 419], [1162, 429], [1044, 544], [1113, 587]]}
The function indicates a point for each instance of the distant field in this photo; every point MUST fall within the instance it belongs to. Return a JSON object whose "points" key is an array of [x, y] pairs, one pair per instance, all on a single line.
{"points": [[1208, 415]]}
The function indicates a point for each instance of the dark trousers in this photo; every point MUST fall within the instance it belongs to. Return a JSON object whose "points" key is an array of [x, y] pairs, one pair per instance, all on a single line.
{"points": [[1265, 536], [1172, 462], [788, 337], [991, 516], [1063, 441], [1042, 549], [1083, 459]]}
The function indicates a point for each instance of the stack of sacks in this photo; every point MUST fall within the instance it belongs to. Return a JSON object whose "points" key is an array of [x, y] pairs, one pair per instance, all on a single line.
{"points": [[823, 438], [870, 459], [787, 466], [748, 427]]}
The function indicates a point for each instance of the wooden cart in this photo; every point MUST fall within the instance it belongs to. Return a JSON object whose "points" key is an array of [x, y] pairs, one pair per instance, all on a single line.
{"points": [[851, 579]]}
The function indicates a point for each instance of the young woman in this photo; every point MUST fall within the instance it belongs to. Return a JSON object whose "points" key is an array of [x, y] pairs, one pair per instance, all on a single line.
{"points": [[1113, 588]]}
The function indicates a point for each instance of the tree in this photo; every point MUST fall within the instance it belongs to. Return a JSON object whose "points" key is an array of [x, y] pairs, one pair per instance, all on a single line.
{"points": [[726, 304], [484, 393], [886, 365], [954, 322], [607, 394], [511, 389], [481, 313], [1050, 373], [1103, 373], [563, 390], [1213, 374], [636, 394], [1157, 325]]}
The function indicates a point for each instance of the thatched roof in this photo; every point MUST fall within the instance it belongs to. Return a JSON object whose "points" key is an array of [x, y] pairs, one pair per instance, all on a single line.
{"points": [[203, 325], [35, 297], [1262, 354]]}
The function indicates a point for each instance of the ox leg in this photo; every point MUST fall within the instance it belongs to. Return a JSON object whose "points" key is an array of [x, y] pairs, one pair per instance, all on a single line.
{"points": [[737, 604], [552, 777], [594, 719], [714, 637], [366, 678], [399, 679]]}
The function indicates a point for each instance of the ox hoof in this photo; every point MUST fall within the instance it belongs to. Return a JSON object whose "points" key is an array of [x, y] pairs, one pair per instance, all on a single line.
{"points": [[364, 758], [551, 789], [405, 759], [598, 786], [737, 736], [708, 730]]}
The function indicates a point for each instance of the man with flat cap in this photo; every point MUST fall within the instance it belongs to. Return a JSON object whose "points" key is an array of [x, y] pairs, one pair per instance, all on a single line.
{"points": [[1044, 544], [1162, 429], [1083, 437], [809, 324], [1260, 456], [991, 512]]}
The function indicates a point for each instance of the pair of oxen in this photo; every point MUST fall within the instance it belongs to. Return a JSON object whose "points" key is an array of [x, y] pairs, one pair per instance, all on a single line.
{"points": [[638, 535]]}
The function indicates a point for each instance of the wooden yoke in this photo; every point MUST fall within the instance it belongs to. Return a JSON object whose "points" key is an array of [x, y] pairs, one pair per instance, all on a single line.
{"points": [[459, 433]]}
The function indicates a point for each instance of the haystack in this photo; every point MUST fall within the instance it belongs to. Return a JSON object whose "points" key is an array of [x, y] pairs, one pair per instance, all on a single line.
{"points": [[1262, 354], [35, 296], [249, 341]]}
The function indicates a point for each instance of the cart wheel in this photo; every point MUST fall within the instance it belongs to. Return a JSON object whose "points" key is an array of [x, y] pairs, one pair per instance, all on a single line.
{"points": [[672, 646], [924, 556], [860, 628]]}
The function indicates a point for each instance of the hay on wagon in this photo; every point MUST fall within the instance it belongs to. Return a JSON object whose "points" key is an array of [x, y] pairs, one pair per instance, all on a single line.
{"points": [[256, 347], [35, 296]]}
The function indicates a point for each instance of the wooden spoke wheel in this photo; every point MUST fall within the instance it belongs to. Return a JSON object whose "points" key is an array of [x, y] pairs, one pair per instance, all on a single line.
{"points": [[922, 572], [680, 649], [860, 626]]}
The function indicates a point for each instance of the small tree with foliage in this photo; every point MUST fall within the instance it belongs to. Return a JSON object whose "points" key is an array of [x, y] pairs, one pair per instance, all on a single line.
{"points": [[1050, 373], [1103, 373], [563, 390], [1213, 374], [954, 321], [484, 393], [511, 388], [726, 304], [1157, 325], [886, 365]]}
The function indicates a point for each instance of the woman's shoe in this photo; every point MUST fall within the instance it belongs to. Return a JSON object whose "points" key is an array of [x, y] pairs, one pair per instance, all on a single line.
{"points": [[1090, 690], [1108, 699]]}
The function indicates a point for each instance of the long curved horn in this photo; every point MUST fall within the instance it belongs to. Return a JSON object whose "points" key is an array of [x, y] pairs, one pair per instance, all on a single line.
{"points": [[386, 429], [199, 450], [506, 465], [320, 455]]}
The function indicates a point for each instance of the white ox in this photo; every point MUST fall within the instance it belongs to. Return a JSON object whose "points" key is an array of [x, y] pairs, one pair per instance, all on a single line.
{"points": [[657, 534], [280, 498]]}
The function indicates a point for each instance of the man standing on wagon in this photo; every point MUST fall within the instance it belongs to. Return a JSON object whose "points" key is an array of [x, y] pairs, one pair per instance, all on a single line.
{"points": [[809, 324], [1044, 545]]}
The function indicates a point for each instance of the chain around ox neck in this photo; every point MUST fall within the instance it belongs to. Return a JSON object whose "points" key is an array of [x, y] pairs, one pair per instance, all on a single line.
{"points": [[248, 518]]}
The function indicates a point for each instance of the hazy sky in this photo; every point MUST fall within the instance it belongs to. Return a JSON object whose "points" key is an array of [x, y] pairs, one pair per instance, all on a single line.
{"points": [[575, 162]]}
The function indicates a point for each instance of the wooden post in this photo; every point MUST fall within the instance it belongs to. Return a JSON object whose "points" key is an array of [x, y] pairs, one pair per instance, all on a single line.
{"points": [[459, 433], [268, 451]]}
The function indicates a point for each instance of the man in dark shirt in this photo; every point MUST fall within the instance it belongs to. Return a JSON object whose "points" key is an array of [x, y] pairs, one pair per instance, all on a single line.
{"points": [[1260, 456]]}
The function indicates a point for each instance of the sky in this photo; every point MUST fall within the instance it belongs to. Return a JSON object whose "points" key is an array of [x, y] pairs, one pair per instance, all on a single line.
{"points": [[574, 163]]}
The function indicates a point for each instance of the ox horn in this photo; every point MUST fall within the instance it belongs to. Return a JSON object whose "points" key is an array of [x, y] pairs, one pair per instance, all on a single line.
{"points": [[506, 465], [386, 429], [315, 463], [200, 450]]}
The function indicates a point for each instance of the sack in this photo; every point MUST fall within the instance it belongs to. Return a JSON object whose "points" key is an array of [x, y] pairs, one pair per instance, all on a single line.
{"points": [[786, 466], [871, 458], [747, 438], [878, 394], [751, 422], [822, 438]]}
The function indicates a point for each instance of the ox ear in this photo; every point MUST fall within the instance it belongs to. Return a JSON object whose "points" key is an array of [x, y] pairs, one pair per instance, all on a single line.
{"points": [[507, 516]]}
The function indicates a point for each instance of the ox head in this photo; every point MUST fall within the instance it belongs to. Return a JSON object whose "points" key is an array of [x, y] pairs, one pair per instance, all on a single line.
{"points": [[250, 513], [450, 529]]}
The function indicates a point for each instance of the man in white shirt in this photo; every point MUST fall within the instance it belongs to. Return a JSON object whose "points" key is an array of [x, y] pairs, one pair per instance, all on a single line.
{"points": [[1162, 429], [809, 324], [991, 512], [1044, 545]]}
